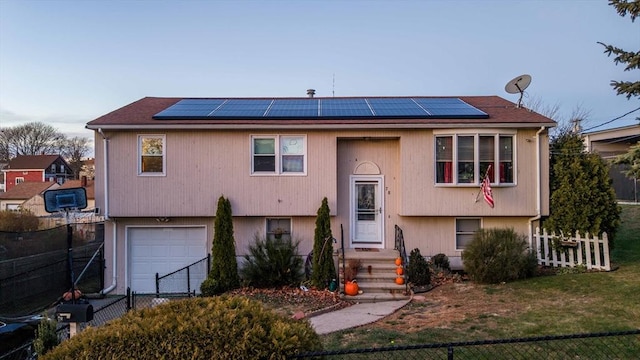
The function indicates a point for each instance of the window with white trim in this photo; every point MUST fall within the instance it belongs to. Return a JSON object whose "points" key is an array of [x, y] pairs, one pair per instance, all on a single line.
{"points": [[151, 155], [19, 180], [465, 230], [465, 158], [279, 155]]}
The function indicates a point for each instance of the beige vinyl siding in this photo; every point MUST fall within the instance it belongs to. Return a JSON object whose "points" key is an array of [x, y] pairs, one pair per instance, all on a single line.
{"points": [[421, 197], [203, 165], [434, 235]]}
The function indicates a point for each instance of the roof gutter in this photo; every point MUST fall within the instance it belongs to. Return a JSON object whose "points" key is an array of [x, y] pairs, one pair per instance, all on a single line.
{"points": [[105, 142], [331, 126], [538, 187]]}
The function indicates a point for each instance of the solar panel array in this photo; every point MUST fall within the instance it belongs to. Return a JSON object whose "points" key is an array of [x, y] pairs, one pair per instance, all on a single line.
{"points": [[400, 107]]}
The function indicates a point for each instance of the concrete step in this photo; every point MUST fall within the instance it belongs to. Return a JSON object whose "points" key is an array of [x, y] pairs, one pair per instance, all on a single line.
{"points": [[376, 275]]}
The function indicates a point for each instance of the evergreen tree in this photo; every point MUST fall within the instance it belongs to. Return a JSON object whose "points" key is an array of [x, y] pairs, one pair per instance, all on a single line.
{"points": [[323, 268], [631, 158], [224, 267], [582, 196], [632, 59]]}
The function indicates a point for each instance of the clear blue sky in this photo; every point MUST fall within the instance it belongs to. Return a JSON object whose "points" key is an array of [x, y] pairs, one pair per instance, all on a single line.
{"points": [[68, 62]]}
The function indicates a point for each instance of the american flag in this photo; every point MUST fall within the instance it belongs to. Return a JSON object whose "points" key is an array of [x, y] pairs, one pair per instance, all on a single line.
{"points": [[486, 191]]}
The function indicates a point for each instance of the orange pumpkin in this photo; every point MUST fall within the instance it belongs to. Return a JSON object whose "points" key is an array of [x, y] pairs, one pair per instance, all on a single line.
{"points": [[399, 280], [398, 261], [399, 270], [351, 288]]}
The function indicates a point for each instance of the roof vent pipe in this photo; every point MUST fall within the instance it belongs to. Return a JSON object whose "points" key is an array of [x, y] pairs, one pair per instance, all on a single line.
{"points": [[311, 92]]}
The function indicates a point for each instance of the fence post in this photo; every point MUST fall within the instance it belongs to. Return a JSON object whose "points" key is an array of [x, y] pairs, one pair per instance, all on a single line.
{"points": [[450, 352], [605, 250], [208, 263], [129, 299], [157, 285], [188, 280]]}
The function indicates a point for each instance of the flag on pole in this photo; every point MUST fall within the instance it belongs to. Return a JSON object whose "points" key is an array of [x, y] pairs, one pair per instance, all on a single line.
{"points": [[486, 191]]}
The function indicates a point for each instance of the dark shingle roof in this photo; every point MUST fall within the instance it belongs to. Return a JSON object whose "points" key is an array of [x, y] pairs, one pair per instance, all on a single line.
{"points": [[139, 115], [26, 190], [32, 162]]}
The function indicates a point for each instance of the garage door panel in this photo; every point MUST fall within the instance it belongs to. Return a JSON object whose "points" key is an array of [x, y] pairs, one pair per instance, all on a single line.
{"points": [[164, 250]]}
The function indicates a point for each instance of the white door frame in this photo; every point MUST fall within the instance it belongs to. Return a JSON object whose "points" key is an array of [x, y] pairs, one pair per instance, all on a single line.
{"points": [[379, 180]]}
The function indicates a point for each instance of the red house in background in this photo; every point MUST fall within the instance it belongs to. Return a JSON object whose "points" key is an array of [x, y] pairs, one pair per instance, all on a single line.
{"points": [[36, 168]]}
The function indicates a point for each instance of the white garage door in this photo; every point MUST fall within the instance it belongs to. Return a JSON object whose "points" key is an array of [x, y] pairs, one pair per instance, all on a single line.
{"points": [[164, 250]]}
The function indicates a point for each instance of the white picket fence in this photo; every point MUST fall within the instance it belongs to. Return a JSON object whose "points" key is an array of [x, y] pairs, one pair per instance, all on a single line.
{"points": [[554, 250]]}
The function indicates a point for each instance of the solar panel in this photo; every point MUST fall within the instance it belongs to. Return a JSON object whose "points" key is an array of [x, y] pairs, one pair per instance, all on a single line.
{"points": [[344, 107], [243, 108], [293, 108], [449, 107], [377, 107], [186, 108], [394, 107]]}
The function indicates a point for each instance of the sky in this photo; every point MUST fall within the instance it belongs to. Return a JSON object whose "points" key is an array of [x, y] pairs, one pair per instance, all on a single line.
{"points": [[66, 63]]}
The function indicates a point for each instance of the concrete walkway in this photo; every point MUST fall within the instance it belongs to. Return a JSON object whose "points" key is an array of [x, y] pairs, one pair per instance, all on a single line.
{"points": [[354, 316]]}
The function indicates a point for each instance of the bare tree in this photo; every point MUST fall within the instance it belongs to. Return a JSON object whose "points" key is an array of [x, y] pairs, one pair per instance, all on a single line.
{"points": [[34, 138], [73, 151]]}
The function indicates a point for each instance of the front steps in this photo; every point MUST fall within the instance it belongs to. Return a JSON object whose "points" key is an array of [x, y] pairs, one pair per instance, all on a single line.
{"points": [[376, 275]]}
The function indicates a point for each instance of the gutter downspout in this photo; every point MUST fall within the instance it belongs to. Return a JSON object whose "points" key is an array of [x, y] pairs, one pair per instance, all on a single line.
{"points": [[538, 189], [105, 142]]}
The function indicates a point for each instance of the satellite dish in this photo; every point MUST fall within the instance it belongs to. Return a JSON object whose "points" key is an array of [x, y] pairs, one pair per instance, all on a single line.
{"points": [[517, 85]]}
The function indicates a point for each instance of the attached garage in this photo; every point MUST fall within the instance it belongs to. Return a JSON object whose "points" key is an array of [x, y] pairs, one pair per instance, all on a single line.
{"points": [[164, 250]]}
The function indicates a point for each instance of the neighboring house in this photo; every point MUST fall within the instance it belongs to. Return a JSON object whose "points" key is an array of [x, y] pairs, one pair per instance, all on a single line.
{"points": [[88, 169], [415, 162], [36, 168], [609, 144], [28, 196], [2, 187]]}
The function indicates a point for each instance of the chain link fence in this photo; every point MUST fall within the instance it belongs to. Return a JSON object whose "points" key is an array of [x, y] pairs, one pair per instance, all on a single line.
{"points": [[612, 345]]}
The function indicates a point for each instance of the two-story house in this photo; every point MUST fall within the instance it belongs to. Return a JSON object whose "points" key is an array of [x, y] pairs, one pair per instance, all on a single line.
{"points": [[415, 162], [36, 168]]}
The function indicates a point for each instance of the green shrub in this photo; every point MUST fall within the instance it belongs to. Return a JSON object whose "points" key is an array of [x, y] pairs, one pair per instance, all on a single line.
{"points": [[441, 261], [224, 267], [198, 328], [323, 270], [46, 336], [272, 262], [418, 269], [498, 255]]}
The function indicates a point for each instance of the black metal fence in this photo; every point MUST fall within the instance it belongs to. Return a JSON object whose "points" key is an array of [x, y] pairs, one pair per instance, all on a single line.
{"points": [[105, 310], [611, 345], [185, 280], [34, 270]]}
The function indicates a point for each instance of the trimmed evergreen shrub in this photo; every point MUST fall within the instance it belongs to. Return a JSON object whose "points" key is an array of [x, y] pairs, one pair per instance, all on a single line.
{"points": [[272, 262], [441, 261], [498, 255], [418, 269], [224, 267], [221, 327], [323, 270]]}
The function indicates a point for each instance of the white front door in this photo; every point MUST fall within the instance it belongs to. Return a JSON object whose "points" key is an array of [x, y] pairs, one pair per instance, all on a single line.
{"points": [[367, 210]]}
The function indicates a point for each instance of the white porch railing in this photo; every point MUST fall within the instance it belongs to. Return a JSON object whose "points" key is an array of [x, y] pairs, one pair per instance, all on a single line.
{"points": [[556, 251]]}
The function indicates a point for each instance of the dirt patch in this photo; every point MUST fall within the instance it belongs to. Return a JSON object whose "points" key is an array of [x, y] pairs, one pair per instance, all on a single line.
{"points": [[290, 301]]}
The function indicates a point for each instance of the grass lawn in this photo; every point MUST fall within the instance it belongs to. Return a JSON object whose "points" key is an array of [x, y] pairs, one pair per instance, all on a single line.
{"points": [[545, 305]]}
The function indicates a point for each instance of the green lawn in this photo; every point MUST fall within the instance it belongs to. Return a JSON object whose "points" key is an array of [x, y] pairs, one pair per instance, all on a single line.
{"points": [[546, 305]]}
